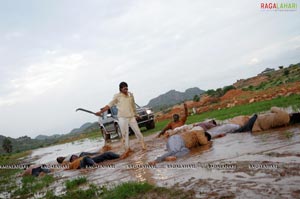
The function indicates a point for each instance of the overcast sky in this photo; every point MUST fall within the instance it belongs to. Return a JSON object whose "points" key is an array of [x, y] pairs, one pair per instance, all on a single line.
{"points": [[56, 56]]}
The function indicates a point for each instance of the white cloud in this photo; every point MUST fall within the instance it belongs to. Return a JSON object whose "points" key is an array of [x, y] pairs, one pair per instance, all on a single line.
{"points": [[40, 77], [253, 61]]}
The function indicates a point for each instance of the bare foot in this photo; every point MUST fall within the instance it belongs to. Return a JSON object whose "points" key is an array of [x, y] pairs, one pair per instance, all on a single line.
{"points": [[144, 147], [106, 148], [126, 154], [152, 163], [171, 158], [130, 150]]}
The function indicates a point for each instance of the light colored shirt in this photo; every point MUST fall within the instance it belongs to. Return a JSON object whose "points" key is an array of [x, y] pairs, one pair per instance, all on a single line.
{"points": [[125, 104], [223, 129], [194, 138]]}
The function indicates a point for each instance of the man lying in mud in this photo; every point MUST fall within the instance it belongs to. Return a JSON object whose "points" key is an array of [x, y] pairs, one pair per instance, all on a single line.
{"points": [[72, 157], [213, 129], [36, 170], [222, 130], [275, 118], [86, 161], [239, 124], [177, 122], [179, 145]]}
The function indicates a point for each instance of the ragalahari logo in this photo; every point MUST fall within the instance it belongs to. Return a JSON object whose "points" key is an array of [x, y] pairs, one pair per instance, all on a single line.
{"points": [[273, 6]]}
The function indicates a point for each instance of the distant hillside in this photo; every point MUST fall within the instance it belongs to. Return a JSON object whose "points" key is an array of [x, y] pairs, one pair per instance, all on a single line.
{"points": [[173, 97], [45, 137], [26, 143], [87, 127]]}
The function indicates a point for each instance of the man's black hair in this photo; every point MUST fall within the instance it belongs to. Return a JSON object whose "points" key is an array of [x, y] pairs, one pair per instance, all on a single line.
{"points": [[122, 85], [294, 118], [208, 136], [176, 117], [214, 122]]}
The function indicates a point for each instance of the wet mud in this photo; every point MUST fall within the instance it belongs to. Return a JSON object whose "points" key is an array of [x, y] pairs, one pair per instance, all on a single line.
{"points": [[244, 165]]}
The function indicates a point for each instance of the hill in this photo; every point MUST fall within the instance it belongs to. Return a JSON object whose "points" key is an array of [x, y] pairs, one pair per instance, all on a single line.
{"points": [[267, 85], [173, 97], [26, 143]]}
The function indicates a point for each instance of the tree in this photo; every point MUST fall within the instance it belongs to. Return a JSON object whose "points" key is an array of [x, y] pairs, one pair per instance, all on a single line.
{"points": [[6, 145], [228, 88], [219, 92], [196, 98], [280, 67]]}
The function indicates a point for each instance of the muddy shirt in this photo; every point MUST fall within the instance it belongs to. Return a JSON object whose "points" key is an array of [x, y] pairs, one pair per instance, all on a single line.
{"points": [[75, 164], [275, 118], [125, 104], [194, 138]]}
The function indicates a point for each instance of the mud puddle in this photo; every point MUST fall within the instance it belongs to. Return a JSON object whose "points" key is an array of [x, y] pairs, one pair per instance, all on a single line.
{"points": [[244, 165]]}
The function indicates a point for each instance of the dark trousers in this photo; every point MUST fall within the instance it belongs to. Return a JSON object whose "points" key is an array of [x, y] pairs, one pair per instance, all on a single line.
{"points": [[87, 161], [36, 171], [248, 126], [87, 154], [105, 156]]}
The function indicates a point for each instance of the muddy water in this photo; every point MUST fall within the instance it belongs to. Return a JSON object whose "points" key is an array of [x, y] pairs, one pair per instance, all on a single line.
{"points": [[49, 154], [244, 165]]}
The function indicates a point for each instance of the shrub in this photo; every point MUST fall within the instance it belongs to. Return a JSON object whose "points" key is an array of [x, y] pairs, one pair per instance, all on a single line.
{"points": [[196, 98], [286, 72]]}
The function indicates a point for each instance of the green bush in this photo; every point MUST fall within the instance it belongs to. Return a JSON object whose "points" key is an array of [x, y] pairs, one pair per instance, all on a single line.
{"points": [[196, 98], [286, 72]]}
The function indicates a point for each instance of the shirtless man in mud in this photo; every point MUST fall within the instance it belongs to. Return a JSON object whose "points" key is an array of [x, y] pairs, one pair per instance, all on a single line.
{"points": [[177, 122]]}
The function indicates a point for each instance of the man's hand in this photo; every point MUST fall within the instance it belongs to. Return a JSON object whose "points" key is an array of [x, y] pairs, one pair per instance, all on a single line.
{"points": [[102, 110], [166, 134], [160, 134], [221, 135]]}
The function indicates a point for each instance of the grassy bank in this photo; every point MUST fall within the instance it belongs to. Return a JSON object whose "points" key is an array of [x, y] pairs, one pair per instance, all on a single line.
{"points": [[7, 180], [125, 190]]}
